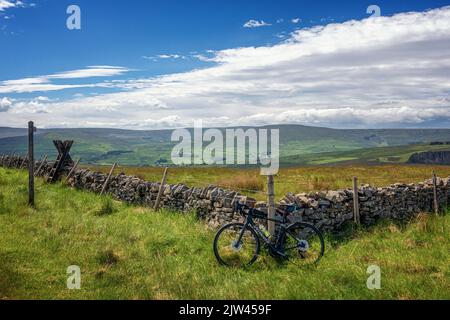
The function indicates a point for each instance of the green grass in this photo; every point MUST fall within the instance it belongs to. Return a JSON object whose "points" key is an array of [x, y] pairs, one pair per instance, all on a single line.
{"points": [[128, 252], [373, 155]]}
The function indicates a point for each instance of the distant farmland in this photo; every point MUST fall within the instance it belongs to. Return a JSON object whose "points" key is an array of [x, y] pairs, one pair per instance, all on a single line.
{"points": [[299, 145]]}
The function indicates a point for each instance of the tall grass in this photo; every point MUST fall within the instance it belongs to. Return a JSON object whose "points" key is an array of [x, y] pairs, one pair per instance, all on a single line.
{"points": [[135, 253], [242, 182]]}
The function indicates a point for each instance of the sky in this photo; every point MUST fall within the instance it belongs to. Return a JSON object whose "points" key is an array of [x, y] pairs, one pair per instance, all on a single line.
{"points": [[158, 64]]}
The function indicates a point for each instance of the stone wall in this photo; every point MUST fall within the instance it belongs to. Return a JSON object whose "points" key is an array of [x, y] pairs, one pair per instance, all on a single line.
{"points": [[327, 210]]}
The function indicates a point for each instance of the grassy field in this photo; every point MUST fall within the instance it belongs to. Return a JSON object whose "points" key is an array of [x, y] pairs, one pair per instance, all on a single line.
{"points": [[127, 252], [378, 155], [295, 179]]}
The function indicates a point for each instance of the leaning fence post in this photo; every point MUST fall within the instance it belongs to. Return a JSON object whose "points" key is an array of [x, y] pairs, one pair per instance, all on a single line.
{"points": [[161, 189], [435, 198], [105, 185], [356, 216], [24, 161], [43, 161], [271, 204], [73, 169]]}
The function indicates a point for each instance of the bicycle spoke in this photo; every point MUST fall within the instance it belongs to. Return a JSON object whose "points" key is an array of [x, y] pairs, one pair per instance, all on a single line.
{"points": [[303, 244], [233, 252]]}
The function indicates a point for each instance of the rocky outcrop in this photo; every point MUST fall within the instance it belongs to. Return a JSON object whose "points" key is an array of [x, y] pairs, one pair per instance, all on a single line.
{"points": [[431, 157], [327, 210]]}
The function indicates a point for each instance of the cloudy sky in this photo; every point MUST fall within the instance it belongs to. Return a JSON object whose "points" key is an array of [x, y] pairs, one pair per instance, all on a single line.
{"points": [[164, 64]]}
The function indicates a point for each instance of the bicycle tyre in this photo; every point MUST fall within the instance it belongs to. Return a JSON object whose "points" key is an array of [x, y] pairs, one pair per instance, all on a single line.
{"points": [[228, 245], [308, 250]]}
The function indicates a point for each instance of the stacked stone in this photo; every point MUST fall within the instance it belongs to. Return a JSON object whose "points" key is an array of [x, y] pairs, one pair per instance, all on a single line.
{"points": [[327, 210]]}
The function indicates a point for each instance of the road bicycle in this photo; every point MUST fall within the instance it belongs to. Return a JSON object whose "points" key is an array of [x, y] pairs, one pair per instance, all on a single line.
{"points": [[239, 244]]}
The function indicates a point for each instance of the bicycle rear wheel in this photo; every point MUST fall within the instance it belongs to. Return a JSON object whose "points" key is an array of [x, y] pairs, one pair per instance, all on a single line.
{"points": [[231, 251], [303, 244]]}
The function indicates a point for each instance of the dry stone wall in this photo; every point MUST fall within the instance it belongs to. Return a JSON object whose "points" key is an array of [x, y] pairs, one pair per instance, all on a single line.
{"points": [[327, 210]]}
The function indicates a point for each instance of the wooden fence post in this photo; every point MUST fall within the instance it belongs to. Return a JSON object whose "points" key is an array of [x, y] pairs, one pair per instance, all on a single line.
{"points": [[161, 189], [271, 204], [356, 216], [435, 197], [43, 161], [31, 130], [105, 185], [73, 169]]}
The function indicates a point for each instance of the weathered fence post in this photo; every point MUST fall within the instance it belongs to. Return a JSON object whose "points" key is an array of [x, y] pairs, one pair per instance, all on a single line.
{"points": [[31, 130], [435, 197], [271, 204], [43, 161], [356, 216], [73, 169], [161, 189], [105, 185]]}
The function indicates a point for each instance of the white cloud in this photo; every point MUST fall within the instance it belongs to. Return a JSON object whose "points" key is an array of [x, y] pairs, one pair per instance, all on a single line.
{"points": [[170, 56], [43, 83], [164, 56], [377, 72], [5, 104], [296, 20], [256, 24], [90, 72], [8, 4]]}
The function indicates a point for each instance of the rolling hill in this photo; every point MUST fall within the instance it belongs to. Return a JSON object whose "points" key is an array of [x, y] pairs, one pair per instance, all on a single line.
{"points": [[299, 144]]}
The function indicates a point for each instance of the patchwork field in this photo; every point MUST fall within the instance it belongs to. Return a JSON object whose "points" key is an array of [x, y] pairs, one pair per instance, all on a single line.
{"points": [[128, 252]]}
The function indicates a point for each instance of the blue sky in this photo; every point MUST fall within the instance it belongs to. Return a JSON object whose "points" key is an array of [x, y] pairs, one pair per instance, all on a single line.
{"points": [[139, 46]]}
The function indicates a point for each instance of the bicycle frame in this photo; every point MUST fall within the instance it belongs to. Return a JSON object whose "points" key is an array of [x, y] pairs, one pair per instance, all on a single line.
{"points": [[249, 223]]}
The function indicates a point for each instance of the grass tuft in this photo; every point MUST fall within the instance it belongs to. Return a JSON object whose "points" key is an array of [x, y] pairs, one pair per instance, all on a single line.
{"points": [[108, 258], [2, 204], [107, 208], [242, 182]]}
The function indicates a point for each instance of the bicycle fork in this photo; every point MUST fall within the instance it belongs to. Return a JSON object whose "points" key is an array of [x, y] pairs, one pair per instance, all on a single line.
{"points": [[237, 244]]}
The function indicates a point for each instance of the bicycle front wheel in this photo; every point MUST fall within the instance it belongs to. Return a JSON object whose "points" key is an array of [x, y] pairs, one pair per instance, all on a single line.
{"points": [[303, 244], [236, 246]]}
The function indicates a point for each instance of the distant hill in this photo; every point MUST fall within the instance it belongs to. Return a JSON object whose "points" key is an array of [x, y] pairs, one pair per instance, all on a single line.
{"points": [[299, 144], [12, 132]]}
